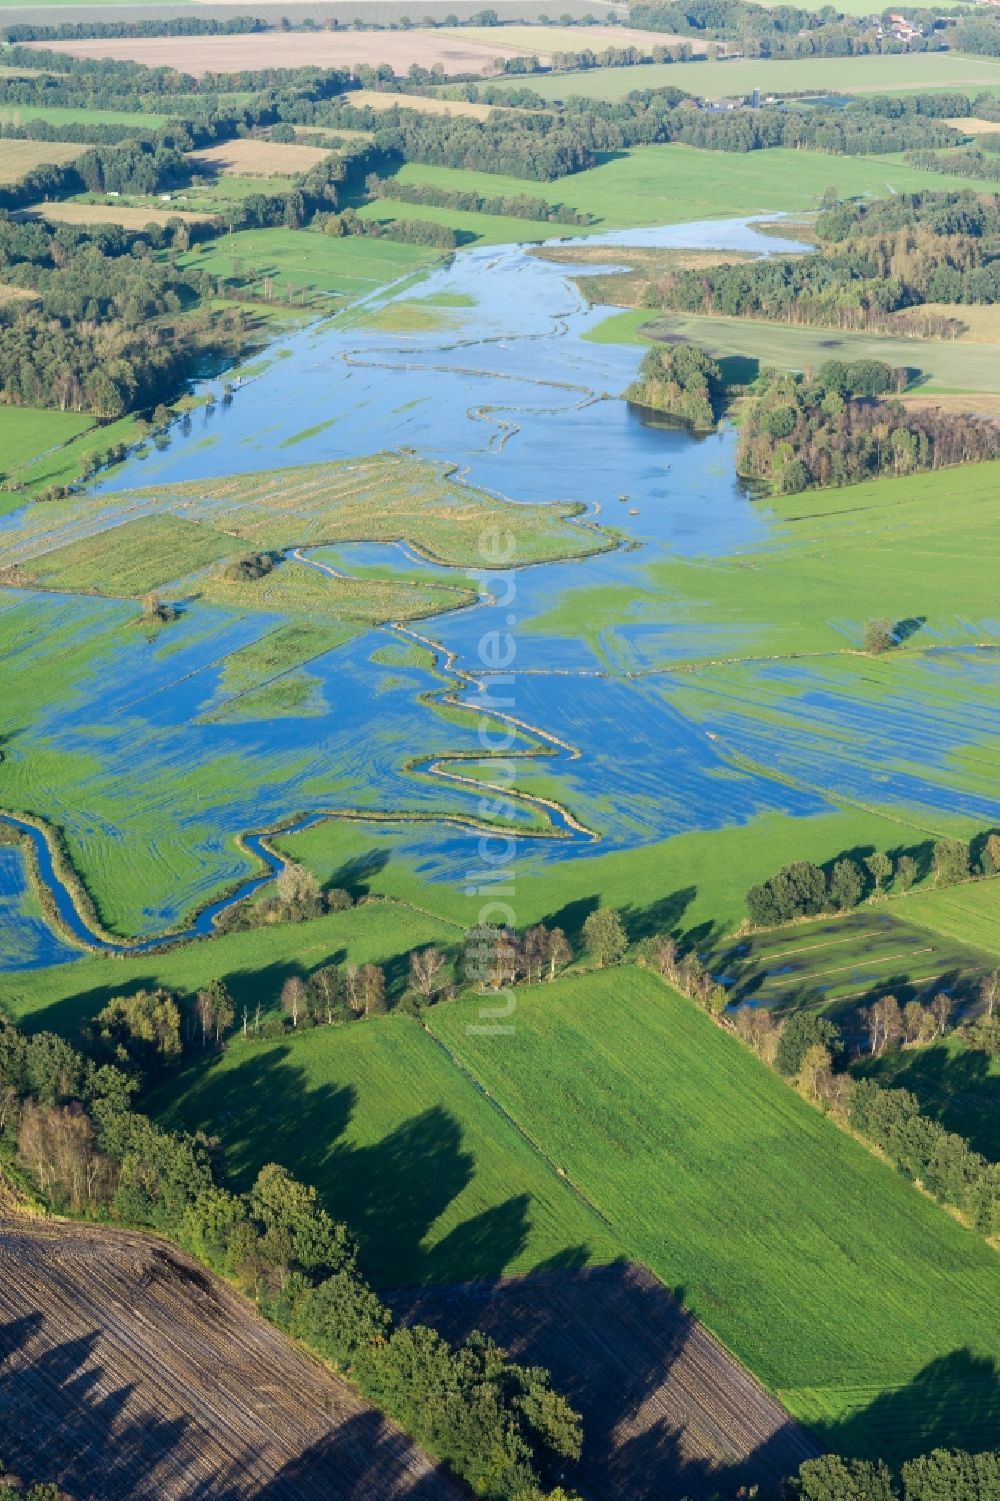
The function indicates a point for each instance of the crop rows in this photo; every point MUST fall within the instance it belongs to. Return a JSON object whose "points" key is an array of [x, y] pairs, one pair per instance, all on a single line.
{"points": [[127, 1372]]}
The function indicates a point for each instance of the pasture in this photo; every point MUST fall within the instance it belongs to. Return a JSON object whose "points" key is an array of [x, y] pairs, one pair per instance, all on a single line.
{"points": [[969, 913], [912, 543], [435, 1184], [901, 73], [18, 158], [665, 185], [27, 432], [253, 964], [868, 1311], [945, 365], [57, 114], [130, 1374], [348, 268]]}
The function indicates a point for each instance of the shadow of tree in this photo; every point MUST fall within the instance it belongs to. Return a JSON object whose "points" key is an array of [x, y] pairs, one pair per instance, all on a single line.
{"points": [[956, 1088], [954, 1402], [66, 1422], [648, 1381]]}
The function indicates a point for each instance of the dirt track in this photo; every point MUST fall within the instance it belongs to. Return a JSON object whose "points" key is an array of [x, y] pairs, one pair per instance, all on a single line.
{"points": [[128, 1374], [666, 1411]]}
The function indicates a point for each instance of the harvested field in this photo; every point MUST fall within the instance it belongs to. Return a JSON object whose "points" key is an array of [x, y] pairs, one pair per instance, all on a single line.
{"points": [[372, 99], [981, 320], [456, 51], [978, 403], [666, 1411], [243, 158], [16, 294], [973, 126], [18, 158], [127, 1372], [106, 213]]}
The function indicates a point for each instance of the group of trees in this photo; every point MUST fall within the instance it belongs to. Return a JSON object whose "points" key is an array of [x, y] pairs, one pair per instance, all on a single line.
{"points": [[805, 890], [107, 329], [942, 1475], [69, 1120], [797, 434], [523, 206], [957, 163], [682, 381], [494, 956]]}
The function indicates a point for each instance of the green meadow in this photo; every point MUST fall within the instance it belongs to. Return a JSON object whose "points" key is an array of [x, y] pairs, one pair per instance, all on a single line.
{"points": [[437, 1186], [664, 185], [26, 433], [910, 548], [902, 73], [68, 115], [840, 963], [347, 268], [944, 365], [795, 1246], [970, 913]]}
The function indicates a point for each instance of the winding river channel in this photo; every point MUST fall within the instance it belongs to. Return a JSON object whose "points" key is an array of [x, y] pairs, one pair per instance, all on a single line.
{"points": [[511, 391]]}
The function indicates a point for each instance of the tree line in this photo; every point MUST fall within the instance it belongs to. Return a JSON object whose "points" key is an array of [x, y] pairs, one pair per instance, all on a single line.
{"points": [[941, 1475], [796, 434], [808, 1050], [859, 283], [69, 1122], [523, 206], [804, 889]]}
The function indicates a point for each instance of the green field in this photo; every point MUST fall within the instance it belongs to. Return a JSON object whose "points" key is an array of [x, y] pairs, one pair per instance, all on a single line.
{"points": [[913, 545], [945, 365], [67, 115], [26, 433], [253, 964], [969, 913], [903, 73], [799, 1249], [347, 267], [437, 1186], [664, 185]]}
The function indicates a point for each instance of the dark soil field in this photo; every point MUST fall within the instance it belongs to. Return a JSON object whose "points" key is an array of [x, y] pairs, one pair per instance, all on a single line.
{"points": [[666, 1411], [127, 1373]]}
